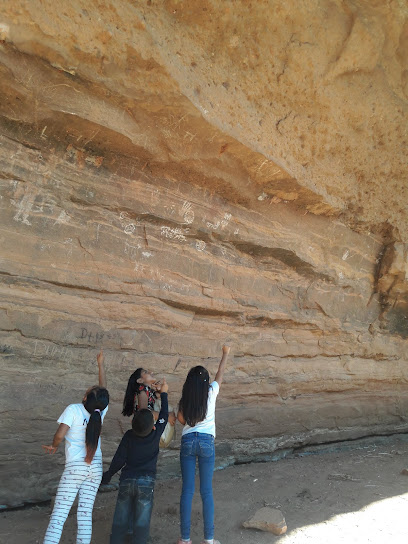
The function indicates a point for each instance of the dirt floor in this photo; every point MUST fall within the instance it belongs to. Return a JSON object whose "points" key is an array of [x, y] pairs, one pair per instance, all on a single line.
{"points": [[355, 496]]}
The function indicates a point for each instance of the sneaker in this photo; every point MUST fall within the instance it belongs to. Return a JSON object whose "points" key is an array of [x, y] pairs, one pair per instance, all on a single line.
{"points": [[183, 541]]}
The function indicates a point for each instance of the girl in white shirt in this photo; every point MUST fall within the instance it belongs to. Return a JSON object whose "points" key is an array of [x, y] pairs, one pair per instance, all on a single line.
{"points": [[80, 425], [197, 414]]}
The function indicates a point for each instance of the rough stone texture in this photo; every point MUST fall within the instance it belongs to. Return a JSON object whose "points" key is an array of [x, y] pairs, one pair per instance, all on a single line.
{"points": [[267, 519], [174, 177]]}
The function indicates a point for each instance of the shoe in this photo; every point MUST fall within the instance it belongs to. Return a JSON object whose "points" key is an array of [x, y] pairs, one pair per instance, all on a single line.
{"points": [[215, 542], [183, 541]]}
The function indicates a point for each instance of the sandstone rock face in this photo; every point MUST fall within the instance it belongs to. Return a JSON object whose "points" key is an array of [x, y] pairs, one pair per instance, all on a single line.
{"points": [[173, 178]]}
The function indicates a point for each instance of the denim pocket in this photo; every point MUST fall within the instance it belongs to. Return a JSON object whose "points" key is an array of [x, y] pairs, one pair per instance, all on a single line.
{"points": [[125, 490], [206, 446], [146, 494], [187, 448]]}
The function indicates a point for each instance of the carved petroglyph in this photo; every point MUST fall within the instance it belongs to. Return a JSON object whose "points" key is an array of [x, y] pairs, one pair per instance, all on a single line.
{"points": [[200, 245], [220, 223], [213, 226], [226, 220], [63, 218], [69, 247], [127, 224], [176, 234], [187, 212], [171, 210], [129, 229], [24, 208], [132, 251], [155, 197], [155, 274], [42, 349]]}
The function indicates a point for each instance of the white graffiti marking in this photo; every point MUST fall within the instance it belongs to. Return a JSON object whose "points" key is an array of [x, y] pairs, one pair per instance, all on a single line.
{"points": [[187, 212], [212, 225], [200, 245], [129, 229], [24, 209], [226, 220], [223, 222], [173, 234], [126, 223], [132, 251], [63, 218]]}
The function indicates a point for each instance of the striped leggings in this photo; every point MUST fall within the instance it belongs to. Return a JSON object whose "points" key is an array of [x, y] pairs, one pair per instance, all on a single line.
{"points": [[82, 479]]}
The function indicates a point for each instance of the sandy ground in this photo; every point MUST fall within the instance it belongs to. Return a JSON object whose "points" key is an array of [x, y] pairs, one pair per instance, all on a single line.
{"points": [[356, 496]]}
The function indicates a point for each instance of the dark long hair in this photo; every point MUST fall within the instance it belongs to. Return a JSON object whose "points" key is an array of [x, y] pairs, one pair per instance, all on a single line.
{"points": [[194, 398], [131, 390], [96, 399]]}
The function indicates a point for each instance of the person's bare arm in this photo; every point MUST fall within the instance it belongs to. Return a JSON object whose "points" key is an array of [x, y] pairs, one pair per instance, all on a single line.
{"points": [[223, 363], [172, 419], [180, 417], [142, 400], [58, 438], [102, 376]]}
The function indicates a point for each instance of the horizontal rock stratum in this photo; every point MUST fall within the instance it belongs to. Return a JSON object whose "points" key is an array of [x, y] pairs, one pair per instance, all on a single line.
{"points": [[176, 175]]}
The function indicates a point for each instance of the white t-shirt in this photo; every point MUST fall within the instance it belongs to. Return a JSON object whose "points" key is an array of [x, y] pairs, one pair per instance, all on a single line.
{"points": [[76, 417], [206, 426]]}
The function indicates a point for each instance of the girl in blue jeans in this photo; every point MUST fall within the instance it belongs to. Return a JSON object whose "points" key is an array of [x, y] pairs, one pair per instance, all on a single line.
{"points": [[197, 414]]}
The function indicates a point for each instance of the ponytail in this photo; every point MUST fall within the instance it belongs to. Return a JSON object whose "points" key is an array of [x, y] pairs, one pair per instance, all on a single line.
{"points": [[131, 390], [97, 400]]}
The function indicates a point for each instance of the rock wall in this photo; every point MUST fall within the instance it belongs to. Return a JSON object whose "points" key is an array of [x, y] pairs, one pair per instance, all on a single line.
{"points": [[157, 199]]}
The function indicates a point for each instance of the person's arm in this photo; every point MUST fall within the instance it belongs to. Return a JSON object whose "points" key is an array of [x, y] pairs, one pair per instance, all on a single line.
{"points": [[142, 400], [118, 461], [223, 363], [164, 411], [102, 376], [172, 419], [180, 417], [58, 438]]}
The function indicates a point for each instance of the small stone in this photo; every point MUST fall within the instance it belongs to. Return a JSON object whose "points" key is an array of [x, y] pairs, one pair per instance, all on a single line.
{"points": [[404, 471], [267, 519]]}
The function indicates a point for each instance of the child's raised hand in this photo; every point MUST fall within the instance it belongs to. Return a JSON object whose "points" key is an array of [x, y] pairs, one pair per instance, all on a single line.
{"points": [[226, 349], [49, 449], [100, 357], [164, 386]]}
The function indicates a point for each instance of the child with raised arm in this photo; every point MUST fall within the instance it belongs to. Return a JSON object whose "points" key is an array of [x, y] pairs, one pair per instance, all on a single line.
{"points": [[197, 414], [80, 424], [137, 457], [143, 391], [140, 392]]}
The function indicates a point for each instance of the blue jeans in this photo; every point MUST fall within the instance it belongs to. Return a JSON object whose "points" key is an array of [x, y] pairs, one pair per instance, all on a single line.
{"points": [[135, 502], [193, 446]]}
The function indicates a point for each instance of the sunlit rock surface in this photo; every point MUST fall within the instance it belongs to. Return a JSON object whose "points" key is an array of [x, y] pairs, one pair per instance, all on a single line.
{"points": [[176, 177]]}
